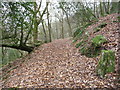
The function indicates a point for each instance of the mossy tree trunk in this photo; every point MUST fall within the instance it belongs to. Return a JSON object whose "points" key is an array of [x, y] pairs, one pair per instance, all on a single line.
{"points": [[106, 63]]}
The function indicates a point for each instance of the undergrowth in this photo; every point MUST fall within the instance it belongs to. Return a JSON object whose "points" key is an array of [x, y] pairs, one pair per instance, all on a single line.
{"points": [[79, 32], [106, 63], [98, 40], [98, 28], [93, 47], [90, 48]]}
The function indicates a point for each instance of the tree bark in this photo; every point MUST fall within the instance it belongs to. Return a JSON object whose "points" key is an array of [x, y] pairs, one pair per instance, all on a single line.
{"points": [[21, 37], [70, 29], [101, 9], [45, 35], [37, 21], [56, 28], [69, 25], [49, 26], [62, 28], [20, 47], [35, 29]]}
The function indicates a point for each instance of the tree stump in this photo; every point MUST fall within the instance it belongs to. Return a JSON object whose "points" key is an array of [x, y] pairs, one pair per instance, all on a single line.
{"points": [[106, 63]]}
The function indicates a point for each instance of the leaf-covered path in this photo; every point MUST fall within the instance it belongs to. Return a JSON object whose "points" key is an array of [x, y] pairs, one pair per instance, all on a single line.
{"points": [[57, 64]]}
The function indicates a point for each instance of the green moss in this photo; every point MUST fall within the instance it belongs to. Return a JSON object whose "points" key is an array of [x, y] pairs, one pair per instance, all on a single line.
{"points": [[118, 18], [14, 88], [100, 26], [83, 40], [106, 63], [97, 29], [98, 40], [83, 50], [38, 43], [79, 44], [116, 21], [90, 51], [93, 51], [87, 24], [74, 41], [91, 48], [77, 32]]}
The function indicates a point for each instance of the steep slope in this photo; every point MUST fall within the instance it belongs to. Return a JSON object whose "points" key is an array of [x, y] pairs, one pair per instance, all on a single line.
{"points": [[109, 27], [111, 31]]}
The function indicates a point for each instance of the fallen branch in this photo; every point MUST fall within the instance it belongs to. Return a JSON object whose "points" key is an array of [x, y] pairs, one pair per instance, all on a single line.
{"points": [[20, 47]]}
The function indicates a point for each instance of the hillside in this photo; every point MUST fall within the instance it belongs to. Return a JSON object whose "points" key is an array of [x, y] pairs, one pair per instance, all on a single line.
{"points": [[60, 65]]}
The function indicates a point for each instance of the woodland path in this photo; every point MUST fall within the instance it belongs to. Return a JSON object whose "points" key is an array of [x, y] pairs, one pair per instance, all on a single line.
{"points": [[57, 64]]}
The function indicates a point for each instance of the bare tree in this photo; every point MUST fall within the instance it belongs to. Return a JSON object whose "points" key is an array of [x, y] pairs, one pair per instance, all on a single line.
{"points": [[67, 17], [49, 25], [45, 34]]}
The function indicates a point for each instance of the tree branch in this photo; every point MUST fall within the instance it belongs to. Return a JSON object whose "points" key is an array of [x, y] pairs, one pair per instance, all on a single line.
{"points": [[41, 15], [20, 47], [28, 8], [39, 6]]}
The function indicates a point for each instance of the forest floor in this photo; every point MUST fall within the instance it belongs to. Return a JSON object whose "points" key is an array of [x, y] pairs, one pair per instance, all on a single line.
{"points": [[60, 65], [57, 65]]}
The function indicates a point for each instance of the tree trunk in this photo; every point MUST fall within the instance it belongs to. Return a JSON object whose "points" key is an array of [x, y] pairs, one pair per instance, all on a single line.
{"points": [[97, 11], [106, 7], [69, 25], [95, 8], [45, 35], [56, 28], [49, 26], [35, 29], [20, 47], [21, 37], [62, 28], [70, 29], [35, 33], [106, 63], [101, 9]]}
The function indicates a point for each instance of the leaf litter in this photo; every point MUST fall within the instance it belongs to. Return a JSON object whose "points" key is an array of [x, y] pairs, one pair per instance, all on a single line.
{"points": [[60, 65]]}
